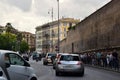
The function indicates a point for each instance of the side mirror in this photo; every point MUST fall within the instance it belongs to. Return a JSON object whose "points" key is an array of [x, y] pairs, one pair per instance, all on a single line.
{"points": [[7, 65]]}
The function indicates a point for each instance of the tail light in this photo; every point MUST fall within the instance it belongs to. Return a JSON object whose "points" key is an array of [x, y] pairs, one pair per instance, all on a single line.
{"points": [[59, 62], [79, 63]]}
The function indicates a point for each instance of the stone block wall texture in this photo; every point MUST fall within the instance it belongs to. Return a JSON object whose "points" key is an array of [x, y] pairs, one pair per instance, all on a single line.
{"points": [[99, 30]]}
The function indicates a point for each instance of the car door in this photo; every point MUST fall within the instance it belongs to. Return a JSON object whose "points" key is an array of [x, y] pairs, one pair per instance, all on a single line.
{"points": [[17, 70]]}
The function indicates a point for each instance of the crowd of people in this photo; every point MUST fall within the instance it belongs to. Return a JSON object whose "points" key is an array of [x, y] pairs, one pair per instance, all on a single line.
{"points": [[109, 59]]}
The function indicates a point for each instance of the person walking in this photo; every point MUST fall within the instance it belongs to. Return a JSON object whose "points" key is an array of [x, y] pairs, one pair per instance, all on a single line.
{"points": [[115, 60]]}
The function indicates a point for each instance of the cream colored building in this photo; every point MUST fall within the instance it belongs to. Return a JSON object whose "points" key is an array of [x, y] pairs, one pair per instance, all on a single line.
{"points": [[30, 39], [47, 34]]}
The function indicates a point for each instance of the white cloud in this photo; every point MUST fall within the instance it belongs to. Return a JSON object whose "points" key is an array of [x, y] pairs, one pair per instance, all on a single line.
{"points": [[23, 21], [35, 12]]}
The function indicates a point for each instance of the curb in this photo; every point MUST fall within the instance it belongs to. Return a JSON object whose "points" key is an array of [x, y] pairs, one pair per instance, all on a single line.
{"points": [[108, 69]]}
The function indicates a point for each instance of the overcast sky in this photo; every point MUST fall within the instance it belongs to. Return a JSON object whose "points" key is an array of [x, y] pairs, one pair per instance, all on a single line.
{"points": [[25, 15]]}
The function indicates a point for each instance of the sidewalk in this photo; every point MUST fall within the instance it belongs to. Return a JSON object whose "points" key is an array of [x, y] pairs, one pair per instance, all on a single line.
{"points": [[105, 68]]}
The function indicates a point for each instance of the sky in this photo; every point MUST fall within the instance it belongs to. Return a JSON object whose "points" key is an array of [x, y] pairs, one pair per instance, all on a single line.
{"points": [[26, 15]]}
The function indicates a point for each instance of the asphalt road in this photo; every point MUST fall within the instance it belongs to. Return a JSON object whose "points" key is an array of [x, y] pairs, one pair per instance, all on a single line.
{"points": [[47, 73]]}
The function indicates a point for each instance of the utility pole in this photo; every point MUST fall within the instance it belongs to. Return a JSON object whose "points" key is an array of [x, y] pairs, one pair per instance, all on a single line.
{"points": [[58, 29], [52, 30], [51, 27]]}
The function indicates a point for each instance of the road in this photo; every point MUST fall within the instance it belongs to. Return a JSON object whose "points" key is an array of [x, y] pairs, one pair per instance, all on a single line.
{"points": [[47, 73]]}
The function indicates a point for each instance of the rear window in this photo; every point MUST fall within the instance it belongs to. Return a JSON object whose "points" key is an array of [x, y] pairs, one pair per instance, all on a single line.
{"points": [[51, 54], [69, 58]]}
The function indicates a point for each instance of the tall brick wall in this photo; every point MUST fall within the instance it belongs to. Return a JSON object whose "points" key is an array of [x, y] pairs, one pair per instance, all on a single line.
{"points": [[99, 30]]}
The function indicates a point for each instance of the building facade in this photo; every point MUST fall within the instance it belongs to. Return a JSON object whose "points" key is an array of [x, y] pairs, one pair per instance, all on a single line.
{"points": [[99, 31], [30, 39], [47, 34]]}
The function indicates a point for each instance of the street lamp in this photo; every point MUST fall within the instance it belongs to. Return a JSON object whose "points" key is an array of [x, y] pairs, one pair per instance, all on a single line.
{"points": [[51, 30], [58, 29]]}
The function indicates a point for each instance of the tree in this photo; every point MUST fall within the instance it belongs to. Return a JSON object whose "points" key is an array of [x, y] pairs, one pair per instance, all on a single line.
{"points": [[7, 41], [71, 28], [19, 36], [24, 47], [8, 27]]}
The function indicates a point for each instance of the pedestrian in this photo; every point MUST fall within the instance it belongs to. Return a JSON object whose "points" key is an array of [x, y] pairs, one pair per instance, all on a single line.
{"points": [[108, 59], [115, 60], [98, 55]]}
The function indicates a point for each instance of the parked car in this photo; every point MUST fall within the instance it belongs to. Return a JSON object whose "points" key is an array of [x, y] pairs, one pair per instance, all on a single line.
{"points": [[50, 57], [69, 63], [15, 67]]}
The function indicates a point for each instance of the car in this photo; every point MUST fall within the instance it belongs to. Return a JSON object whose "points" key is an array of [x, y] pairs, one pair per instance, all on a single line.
{"points": [[56, 58], [50, 57], [69, 63], [15, 67]]}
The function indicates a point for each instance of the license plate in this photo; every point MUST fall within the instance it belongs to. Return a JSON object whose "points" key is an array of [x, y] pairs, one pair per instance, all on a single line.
{"points": [[68, 66], [49, 60]]}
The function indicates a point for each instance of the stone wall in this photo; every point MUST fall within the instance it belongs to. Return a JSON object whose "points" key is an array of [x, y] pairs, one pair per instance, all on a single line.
{"points": [[100, 30]]}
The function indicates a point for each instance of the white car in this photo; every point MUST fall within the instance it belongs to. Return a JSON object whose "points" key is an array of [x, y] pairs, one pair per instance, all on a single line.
{"points": [[69, 63], [50, 57], [15, 67]]}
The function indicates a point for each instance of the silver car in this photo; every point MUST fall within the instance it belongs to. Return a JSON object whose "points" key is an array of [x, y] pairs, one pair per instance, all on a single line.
{"points": [[15, 67], [69, 63]]}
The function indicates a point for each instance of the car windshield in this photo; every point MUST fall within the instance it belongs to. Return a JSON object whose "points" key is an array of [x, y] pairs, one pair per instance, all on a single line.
{"points": [[69, 58]]}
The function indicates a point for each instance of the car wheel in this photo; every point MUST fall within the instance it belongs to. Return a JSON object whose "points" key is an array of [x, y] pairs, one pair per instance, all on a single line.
{"points": [[53, 66], [57, 73], [33, 78], [44, 63], [82, 73]]}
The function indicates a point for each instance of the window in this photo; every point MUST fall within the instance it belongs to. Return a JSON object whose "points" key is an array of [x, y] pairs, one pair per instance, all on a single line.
{"points": [[69, 58], [14, 59], [64, 24], [70, 24], [64, 29]]}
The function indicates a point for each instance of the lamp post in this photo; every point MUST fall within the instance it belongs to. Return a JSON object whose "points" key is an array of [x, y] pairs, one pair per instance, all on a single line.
{"points": [[52, 31], [58, 29]]}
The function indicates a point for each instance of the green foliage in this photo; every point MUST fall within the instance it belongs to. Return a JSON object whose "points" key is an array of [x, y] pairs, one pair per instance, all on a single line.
{"points": [[8, 27], [24, 47], [12, 40], [71, 28], [7, 41]]}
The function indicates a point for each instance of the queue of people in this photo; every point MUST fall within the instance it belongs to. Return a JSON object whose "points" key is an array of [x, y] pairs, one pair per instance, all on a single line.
{"points": [[108, 59]]}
